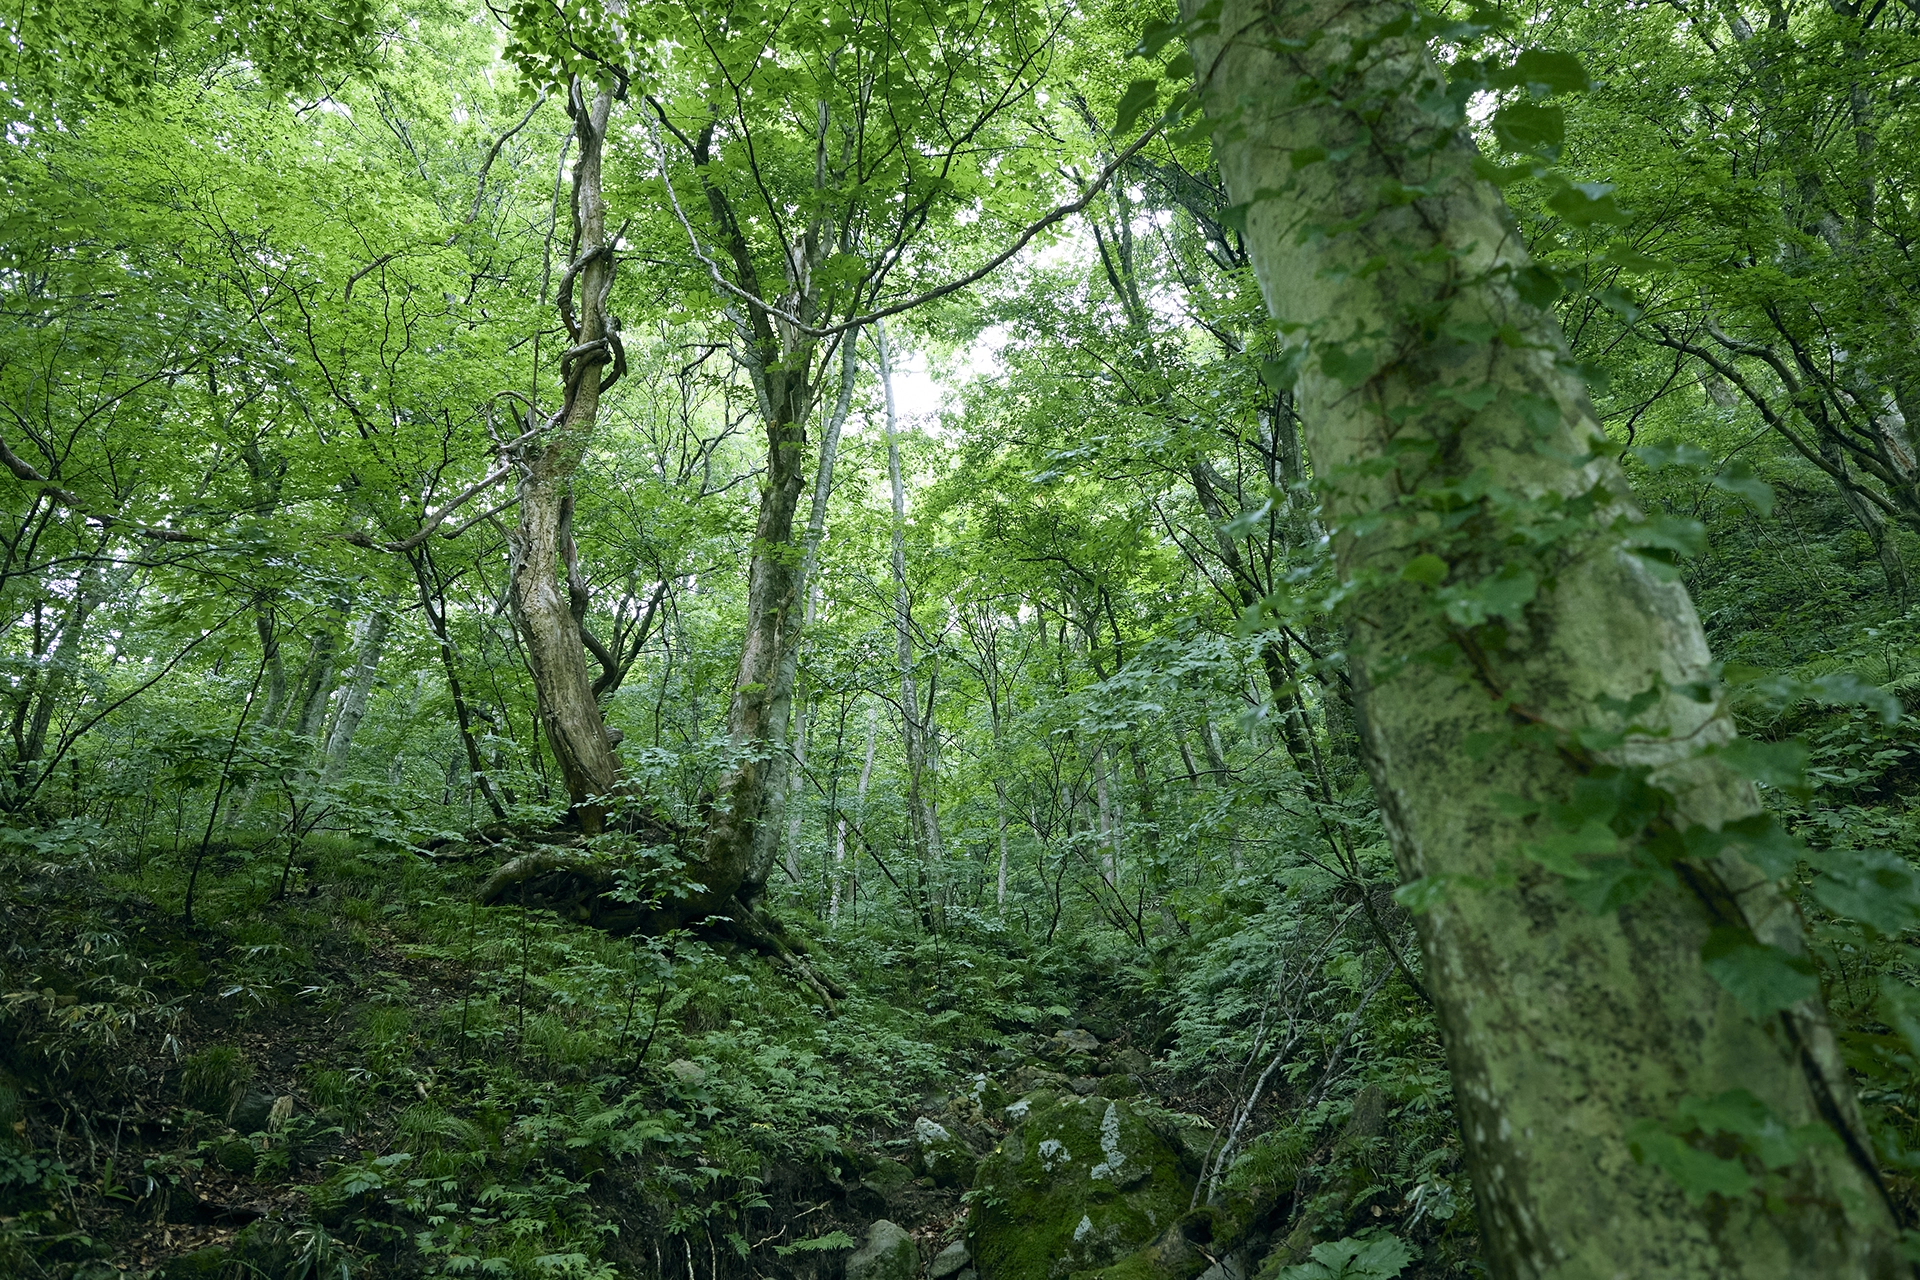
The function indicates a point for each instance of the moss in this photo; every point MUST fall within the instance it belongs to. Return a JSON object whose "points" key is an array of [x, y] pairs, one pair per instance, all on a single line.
{"points": [[1082, 1184]]}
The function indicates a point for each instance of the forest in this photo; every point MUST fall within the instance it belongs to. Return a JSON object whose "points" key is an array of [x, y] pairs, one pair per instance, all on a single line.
{"points": [[970, 639]]}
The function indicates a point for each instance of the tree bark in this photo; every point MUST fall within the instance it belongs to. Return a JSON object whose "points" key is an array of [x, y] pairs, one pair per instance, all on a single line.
{"points": [[1563, 1028], [766, 837], [353, 703], [547, 592], [924, 825]]}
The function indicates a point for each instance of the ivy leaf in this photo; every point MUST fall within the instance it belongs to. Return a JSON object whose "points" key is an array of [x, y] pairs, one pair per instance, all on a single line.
{"points": [[1771, 764], [1699, 1173], [1424, 894], [1347, 365], [1738, 478], [1426, 568], [1763, 979], [1612, 883], [1547, 72], [1582, 204], [1878, 888], [1155, 36], [1281, 375], [1563, 851], [1505, 594], [1530, 127], [1138, 99]]}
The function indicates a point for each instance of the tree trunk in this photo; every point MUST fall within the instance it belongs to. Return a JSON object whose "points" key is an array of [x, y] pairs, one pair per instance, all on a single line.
{"points": [[546, 589], [353, 704], [1563, 1028], [766, 837], [920, 819]]}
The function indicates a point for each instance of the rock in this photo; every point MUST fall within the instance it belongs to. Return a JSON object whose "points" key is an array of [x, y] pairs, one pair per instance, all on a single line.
{"points": [[943, 1155], [209, 1262], [1127, 1061], [1084, 1085], [236, 1155], [952, 1259], [252, 1113], [1074, 1041], [888, 1254], [1081, 1183], [691, 1074], [888, 1176], [986, 1095], [1118, 1087], [264, 1249], [1033, 1079]]}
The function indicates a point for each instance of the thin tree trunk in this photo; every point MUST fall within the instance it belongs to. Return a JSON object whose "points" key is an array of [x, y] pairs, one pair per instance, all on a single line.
{"points": [[920, 817], [840, 833], [1563, 1028], [548, 594], [353, 704]]}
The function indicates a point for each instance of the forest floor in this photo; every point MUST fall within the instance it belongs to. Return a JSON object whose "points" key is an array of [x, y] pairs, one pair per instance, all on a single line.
{"points": [[375, 1076]]}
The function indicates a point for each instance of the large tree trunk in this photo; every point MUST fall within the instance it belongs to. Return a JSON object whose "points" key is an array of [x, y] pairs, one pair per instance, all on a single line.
{"points": [[1563, 1028], [547, 591]]}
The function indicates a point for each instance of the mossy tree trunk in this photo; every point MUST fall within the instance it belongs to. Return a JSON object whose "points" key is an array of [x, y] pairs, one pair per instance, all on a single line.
{"points": [[1563, 1028]]}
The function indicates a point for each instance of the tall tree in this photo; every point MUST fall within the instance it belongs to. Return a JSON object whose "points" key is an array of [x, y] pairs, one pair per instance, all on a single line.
{"points": [[1446, 425]]}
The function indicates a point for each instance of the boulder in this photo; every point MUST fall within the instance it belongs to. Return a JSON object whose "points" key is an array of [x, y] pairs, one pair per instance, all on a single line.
{"points": [[1081, 1183], [949, 1261], [253, 1112], [942, 1154], [1071, 1042], [888, 1254]]}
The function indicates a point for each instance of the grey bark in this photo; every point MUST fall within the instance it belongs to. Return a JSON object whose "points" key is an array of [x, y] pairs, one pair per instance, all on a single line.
{"points": [[547, 591], [1562, 1028], [353, 701]]}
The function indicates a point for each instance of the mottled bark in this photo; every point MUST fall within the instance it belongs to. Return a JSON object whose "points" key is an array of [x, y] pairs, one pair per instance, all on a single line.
{"points": [[766, 836], [1562, 1028], [547, 593]]}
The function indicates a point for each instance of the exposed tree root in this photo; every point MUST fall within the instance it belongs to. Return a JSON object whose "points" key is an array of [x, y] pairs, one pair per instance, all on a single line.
{"points": [[565, 880]]}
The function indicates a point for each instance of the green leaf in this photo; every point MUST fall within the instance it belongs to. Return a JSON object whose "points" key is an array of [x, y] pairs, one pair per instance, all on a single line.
{"points": [[1347, 364], [1530, 127], [1544, 71], [1582, 204], [818, 1244], [1612, 883], [1562, 851], [1155, 36], [1383, 1257], [1763, 979], [1425, 568], [1423, 895], [1281, 375], [1738, 478], [1657, 456], [1139, 98], [1536, 285], [1699, 1173], [1771, 764], [1878, 888], [1505, 594]]}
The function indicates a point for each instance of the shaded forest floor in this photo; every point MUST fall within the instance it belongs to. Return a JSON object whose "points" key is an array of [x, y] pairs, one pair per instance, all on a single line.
{"points": [[374, 1076]]}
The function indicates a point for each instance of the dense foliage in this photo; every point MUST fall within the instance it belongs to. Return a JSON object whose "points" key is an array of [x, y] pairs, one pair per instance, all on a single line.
{"points": [[1065, 735]]}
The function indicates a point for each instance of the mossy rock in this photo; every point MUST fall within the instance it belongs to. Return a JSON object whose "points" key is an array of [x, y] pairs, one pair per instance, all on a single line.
{"points": [[236, 1155], [942, 1155], [1082, 1183], [208, 1262]]}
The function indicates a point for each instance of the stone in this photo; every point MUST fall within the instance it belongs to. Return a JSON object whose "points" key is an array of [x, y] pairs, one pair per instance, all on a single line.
{"points": [[209, 1261], [1126, 1061], [1084, 1085], [236, 1155], [954, 1258], [887, 1176], [942, 1154], [1119, 1087], [691, 1074], [1033, 1079], [252, 1113], [1074, 1041], [1080, 1184], [986, 1095], [888, 1254]]}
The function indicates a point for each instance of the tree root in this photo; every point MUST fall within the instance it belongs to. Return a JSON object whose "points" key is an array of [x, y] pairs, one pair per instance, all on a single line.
{"points": [[578, 888]]}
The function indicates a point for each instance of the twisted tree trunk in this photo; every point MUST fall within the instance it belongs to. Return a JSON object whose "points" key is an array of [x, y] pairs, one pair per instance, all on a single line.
{"points": [[548, 594], [1563, 1028]]}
